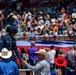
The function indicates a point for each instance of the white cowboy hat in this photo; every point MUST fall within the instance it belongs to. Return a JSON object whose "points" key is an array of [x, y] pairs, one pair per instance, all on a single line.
{"points": [[59, 19], [40, 12], [41, 17], [43, 52], [6, 53], [53, 20], [54, 23], [73, 15], [29, 13], [14, 16]]}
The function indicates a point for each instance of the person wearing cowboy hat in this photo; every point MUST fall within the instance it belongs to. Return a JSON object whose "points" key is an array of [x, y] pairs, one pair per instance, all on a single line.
{"points": [[8, 41], [60, 63], [15, 21], [42, 67], [7, 66]]}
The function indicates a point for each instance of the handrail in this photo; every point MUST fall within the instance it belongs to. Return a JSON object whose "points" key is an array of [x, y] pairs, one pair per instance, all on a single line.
{"points": [[21, 70]]}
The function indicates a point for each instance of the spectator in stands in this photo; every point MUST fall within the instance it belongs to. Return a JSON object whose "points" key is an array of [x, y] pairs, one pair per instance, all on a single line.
{"points": [[40, 13], [55, 31], [39, 31], [51, 53], [73, 20], [29, 15], [32, 56], [28, 24], [42, 67], [67, 21], [40, 21], [47, 19], [70, 32], [1, 20], [74, 30], [45, 30], [58, 9], [31, 34], [8, 41], [49, 10], [60, 26], [15, 21], [25, 35], [24, 16], [70, 57], [34, 21], [63, 14], [7, 66]]}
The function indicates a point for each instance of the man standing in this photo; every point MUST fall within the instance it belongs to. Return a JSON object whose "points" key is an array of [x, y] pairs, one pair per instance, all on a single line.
{"points": [[51, 53], [70, 57], [32, 55], [7, 66], [42, 67], [8, 41]]}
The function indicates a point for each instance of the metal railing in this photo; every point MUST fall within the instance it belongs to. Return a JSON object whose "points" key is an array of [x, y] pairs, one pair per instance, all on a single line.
{"points": [[48, 37], [24, 70]]}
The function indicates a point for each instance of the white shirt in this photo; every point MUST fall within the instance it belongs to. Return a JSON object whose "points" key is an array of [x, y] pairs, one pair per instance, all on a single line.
{"points": [[52, 56], [40, 22]]}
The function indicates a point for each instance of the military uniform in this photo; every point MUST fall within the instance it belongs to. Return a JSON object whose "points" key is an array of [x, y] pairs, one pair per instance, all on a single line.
{"points": [[10, 43]]}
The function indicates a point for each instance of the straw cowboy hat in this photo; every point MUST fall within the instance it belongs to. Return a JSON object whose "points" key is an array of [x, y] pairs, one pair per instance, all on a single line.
{"points": [[43, 52], [29, 13], [53, 20], [63, 10], [6, 53], [59, 19], [54, 23], [73, 15], [40, 12], [60, 61], [14, 16]]}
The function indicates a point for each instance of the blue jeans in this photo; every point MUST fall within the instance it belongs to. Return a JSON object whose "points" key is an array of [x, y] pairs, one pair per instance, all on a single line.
{"points": [[60, 30], [52, 66]]}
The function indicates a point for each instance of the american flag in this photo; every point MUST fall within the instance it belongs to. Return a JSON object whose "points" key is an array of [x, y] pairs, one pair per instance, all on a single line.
{"points": [[46, 44]]}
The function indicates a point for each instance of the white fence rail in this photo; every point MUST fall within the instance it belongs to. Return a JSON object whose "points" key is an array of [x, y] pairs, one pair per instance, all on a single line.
{"points": [[24, 70]]}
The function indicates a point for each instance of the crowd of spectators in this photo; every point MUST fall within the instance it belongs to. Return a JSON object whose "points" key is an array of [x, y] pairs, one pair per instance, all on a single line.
{"points": [[33, 24]]}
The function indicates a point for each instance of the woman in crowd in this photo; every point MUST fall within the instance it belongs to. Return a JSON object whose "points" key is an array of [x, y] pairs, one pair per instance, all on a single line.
{"points": [[74, 30]]}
